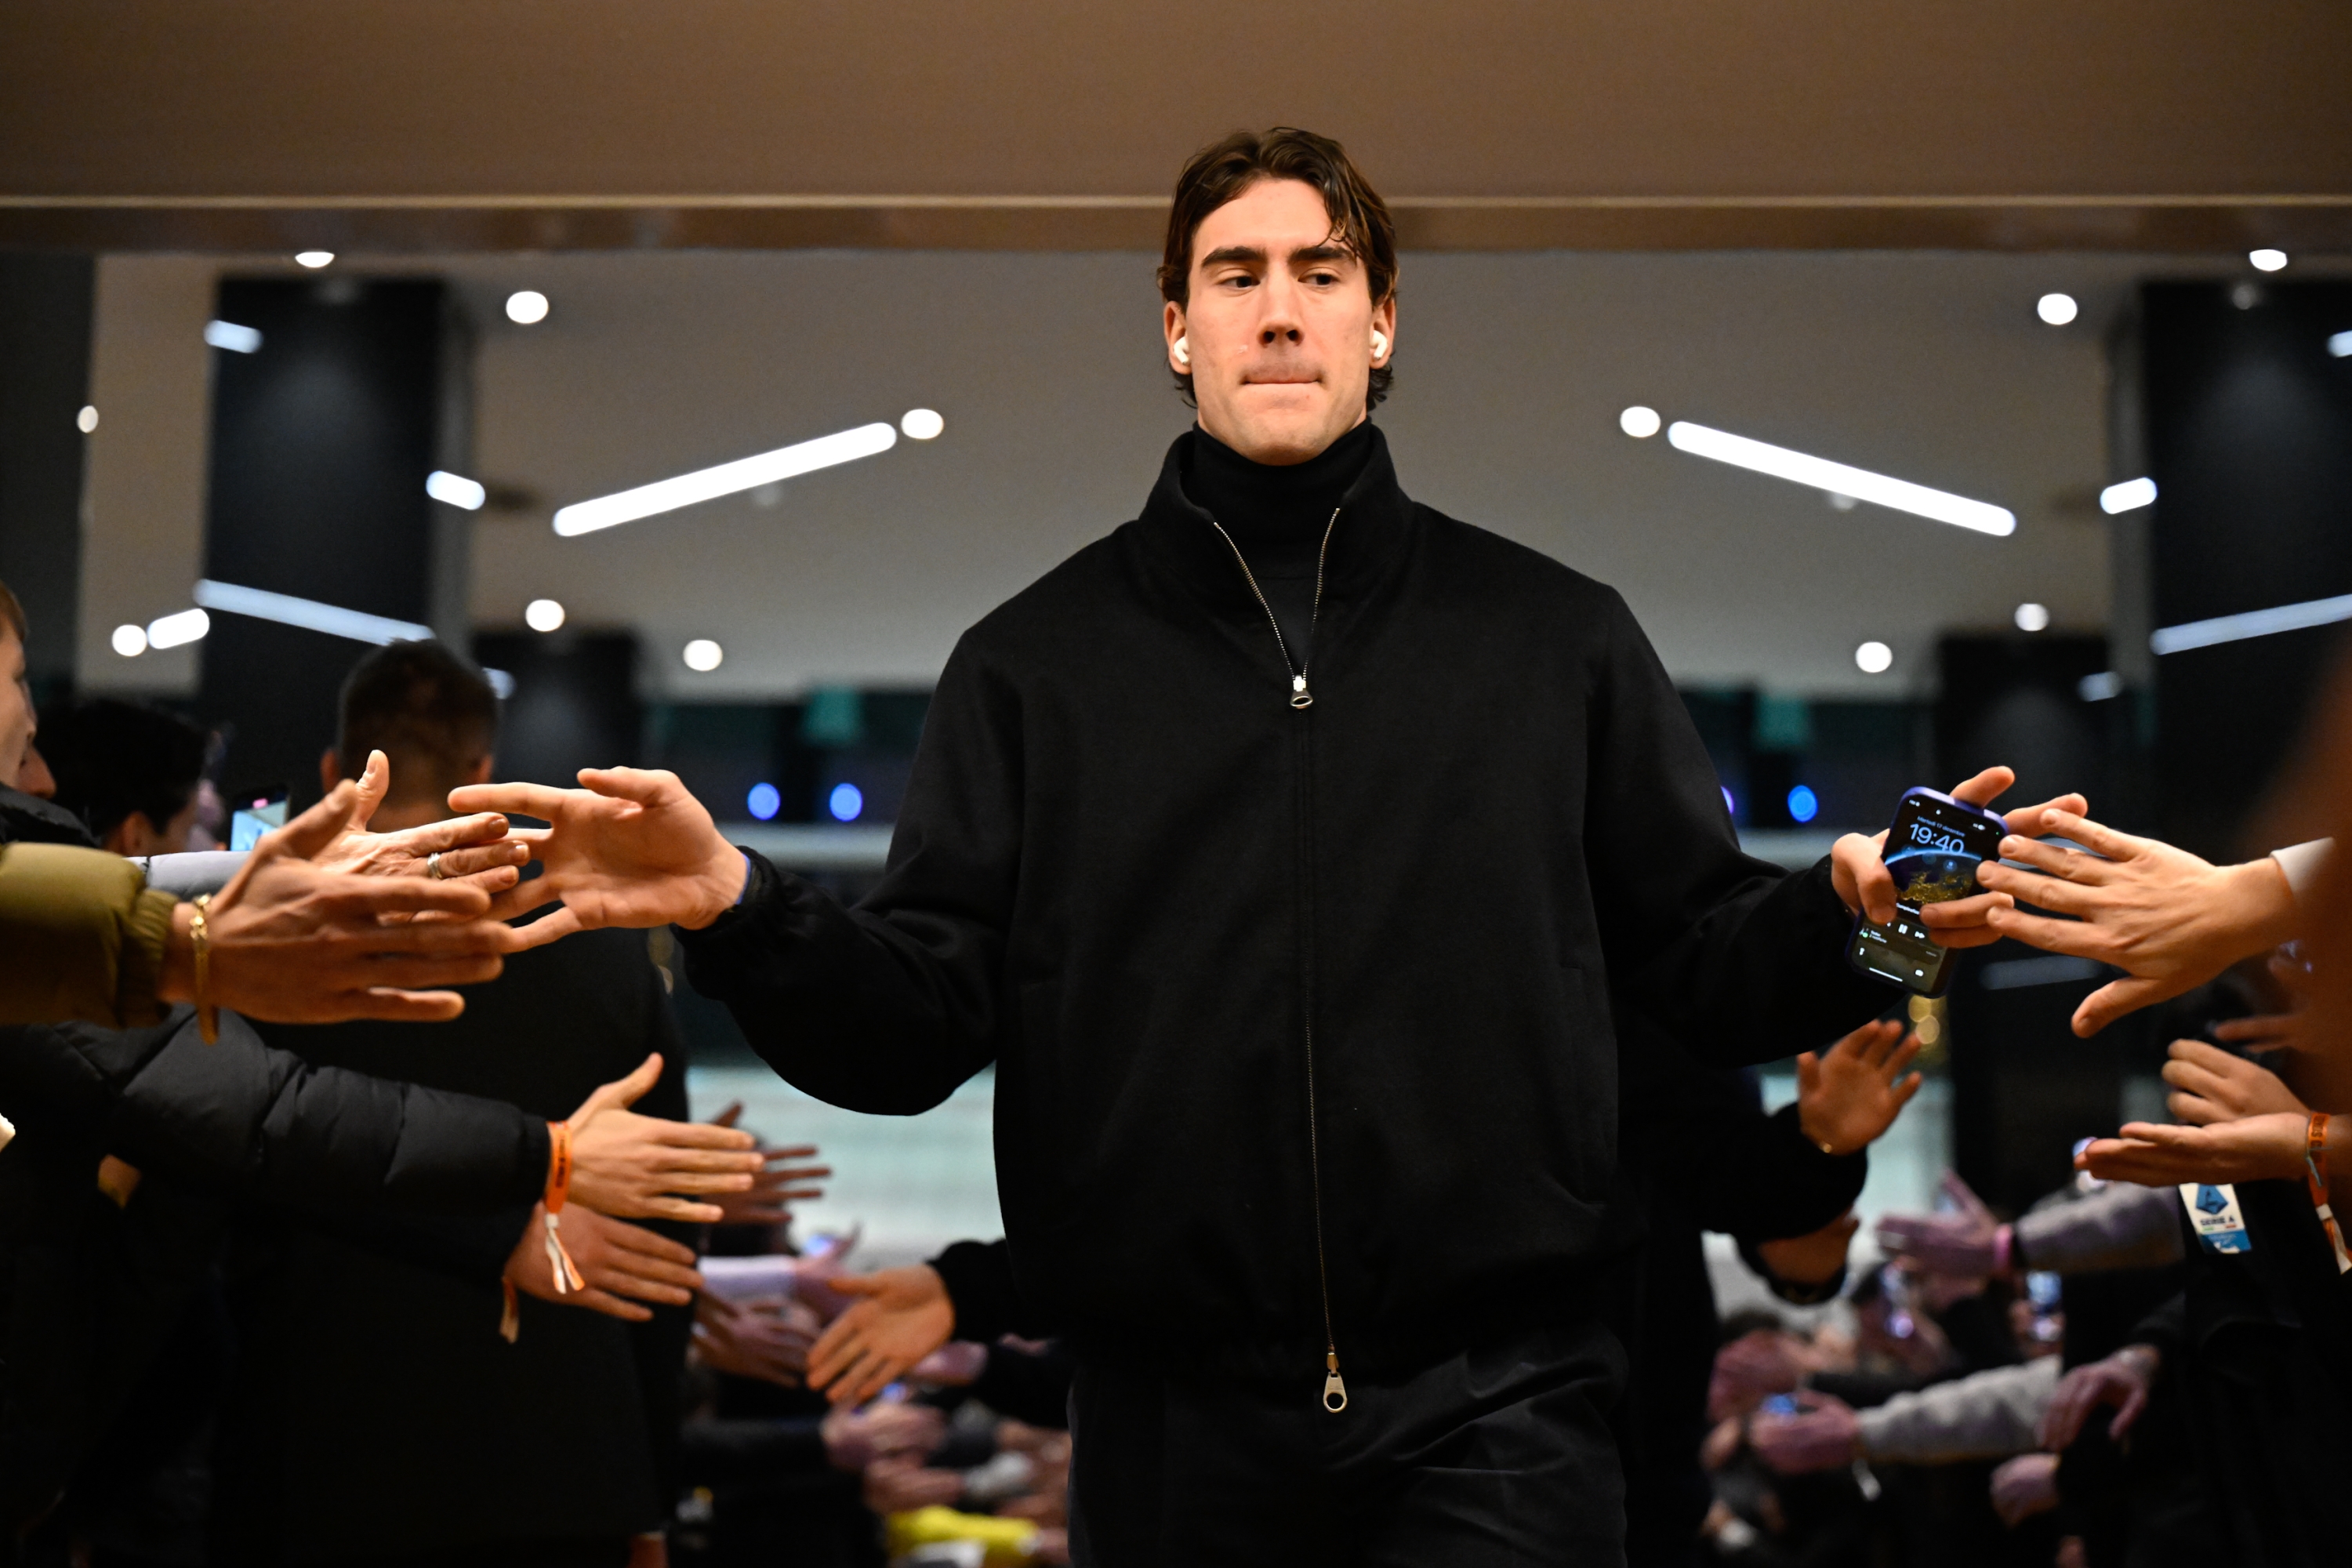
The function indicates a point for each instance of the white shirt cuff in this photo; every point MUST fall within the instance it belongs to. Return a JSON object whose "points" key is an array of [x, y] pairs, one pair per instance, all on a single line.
{"points": [[2302, 864]]}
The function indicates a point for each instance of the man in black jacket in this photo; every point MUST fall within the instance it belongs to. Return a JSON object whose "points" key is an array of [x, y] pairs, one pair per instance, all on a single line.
{"points": [[1282, 851]]}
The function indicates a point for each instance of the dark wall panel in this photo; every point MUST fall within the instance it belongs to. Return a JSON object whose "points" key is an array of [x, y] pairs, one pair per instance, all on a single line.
{"points": [[321, 444], [574, 703], [45, 325], [2248, 436]]}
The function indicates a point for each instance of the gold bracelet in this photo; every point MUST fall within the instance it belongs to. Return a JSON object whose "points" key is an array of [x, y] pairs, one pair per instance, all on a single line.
{"points": [[200, 938]]}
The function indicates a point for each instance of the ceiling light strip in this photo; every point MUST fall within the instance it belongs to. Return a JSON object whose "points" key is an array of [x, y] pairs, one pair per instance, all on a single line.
{"points": [[308, 613], [727, 479], [1838, 479], [2251, 624]]}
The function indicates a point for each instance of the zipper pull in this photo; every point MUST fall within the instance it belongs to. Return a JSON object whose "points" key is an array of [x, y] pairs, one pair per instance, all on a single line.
{"points": [[1301, 698], [1335, 1392]]}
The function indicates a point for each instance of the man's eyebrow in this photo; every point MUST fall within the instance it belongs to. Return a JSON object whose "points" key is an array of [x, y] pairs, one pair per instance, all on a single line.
{"points": [[1252, 254], [1327, 251]]}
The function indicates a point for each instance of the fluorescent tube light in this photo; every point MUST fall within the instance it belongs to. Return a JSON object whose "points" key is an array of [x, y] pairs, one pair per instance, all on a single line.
{"points": [[2251, 624], [179, 627], [2340, 344], [308, 613], [501, 684], [1839, 480], [457, 489], [2129, 496], [229, 335], [2099, 688], [725, 479]]}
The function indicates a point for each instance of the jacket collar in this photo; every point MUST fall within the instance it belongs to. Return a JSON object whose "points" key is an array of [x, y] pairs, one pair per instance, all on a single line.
{"points": [[1375, 521]]}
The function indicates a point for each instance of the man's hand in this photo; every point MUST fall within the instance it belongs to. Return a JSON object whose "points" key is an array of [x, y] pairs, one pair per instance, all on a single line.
{"points": [[1863, 881], [898, 1486], [1964, 1243], [2210, 1085], [904, 1316], [618, 1260], [623, 1163], [1851, 1093], [776, 1186], [2169, 920], [767, 1340], [885, 1429], [1824, 1435], [1813, 1259], [631, 848], [2122, 1380], [475, 849], [2259, 1148], [291, 942], [2025, 1486]]}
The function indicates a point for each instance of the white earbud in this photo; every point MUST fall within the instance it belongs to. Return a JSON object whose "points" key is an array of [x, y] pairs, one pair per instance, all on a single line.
{"points": [[1379, 342], [1184, 351]]}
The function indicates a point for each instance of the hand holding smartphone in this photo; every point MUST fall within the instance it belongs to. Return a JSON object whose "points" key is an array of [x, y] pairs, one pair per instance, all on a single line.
{"points": [[1933, 849]]}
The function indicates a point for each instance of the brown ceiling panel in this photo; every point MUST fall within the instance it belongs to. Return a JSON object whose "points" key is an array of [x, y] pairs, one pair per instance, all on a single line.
{"points": [[1030, 123]]}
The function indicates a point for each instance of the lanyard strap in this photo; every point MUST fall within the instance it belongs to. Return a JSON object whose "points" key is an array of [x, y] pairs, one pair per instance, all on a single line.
{"points": [[2315, 1169]]}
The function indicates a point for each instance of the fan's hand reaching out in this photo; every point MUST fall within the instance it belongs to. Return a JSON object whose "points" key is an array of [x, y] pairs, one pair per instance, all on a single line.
{"points": [[631, 848], [472, 849], [1850, 1094], [1863, 881]]}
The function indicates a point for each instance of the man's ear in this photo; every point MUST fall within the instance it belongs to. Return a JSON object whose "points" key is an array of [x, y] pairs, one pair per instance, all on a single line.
{"points": [[330, 770], [1384, 323], [134, 835], [1171, 327], [481, 773]]}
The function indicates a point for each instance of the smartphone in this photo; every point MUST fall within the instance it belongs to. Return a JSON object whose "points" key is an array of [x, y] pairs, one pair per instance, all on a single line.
{"points": [[257, 812], [1933, 848], [1779, 1405]]}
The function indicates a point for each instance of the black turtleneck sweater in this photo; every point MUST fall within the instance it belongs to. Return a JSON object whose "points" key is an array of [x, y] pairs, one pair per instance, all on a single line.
{"points": [[1277, 517]]}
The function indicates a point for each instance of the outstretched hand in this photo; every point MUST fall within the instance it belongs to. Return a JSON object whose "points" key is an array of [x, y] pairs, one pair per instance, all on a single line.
{"points": [[904, 1315], [2155, 1154], [2122, 1380], [2210, 1085], [2170, 921], [632, 847], [295, 942], [475, 849], [1963, 1242], [1850, 1094], [623, 1264], [627, 1164], [1859, 872]]}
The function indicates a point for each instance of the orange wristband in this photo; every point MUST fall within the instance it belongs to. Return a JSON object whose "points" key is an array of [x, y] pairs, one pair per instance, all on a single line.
{"points": [[559, 1185], [2314, 1165]]}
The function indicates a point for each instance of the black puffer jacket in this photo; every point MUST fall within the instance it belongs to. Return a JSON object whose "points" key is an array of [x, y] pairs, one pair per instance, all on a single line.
{"points": [[1282, 991]]}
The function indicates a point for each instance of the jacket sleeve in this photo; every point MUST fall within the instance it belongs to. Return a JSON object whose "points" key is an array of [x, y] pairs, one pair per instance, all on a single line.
{"points": [[2120, 1226], [256, 1121], [983, 1292], [1741, 962], [83, 937], [1988, 1415], [887, 1007]]}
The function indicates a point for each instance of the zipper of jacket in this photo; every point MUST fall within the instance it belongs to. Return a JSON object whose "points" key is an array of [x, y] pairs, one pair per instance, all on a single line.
{"points": [[1335, 1390]]}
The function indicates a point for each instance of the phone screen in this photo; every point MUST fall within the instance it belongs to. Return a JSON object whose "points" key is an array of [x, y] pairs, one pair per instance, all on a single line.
{"points": [[257, 812], [1933, 849]]}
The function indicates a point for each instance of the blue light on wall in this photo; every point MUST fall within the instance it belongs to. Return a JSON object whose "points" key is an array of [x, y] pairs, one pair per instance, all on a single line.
{"points": [[1803, 805], [846, 802], [765, 801]]}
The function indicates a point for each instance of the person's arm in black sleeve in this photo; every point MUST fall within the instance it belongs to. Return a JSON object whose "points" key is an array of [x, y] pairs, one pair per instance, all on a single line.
{"points": [[983, 1290], [1028, 1385], [887, 1007], [472, 1248], [1759, 1178], [262, 1122], [1741, 962]]}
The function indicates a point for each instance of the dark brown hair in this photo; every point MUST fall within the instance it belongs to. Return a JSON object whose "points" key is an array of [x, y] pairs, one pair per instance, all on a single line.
{"points": [[1231, 164], [12, 615], [432, 714]]}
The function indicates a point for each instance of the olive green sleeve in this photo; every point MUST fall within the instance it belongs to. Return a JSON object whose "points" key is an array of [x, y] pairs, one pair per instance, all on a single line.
{"points": [[83, 937]]}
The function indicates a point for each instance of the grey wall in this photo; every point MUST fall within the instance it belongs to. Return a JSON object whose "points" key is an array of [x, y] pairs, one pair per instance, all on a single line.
{"points": [[45, 331]]}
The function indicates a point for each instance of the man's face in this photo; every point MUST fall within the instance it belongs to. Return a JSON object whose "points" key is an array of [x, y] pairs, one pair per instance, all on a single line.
{"points": [[16, 707], [1279, 325]]}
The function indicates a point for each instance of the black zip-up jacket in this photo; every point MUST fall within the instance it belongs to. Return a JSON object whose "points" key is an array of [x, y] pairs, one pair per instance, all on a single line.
{"points": [[1260, 953]]}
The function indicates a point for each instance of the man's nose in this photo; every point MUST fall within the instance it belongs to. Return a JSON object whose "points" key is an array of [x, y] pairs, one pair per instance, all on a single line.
{"points": [[1280, 322]]}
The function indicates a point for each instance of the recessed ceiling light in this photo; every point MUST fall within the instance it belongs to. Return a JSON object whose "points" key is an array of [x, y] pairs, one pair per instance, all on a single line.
{"points": [[2266, 260], [129, 641], [525, 307], [1639, 422], [1874, 658], [725, 479], [2032, 617], [180, 626], [2057, 308], [702, 654], [314, 259], [237, 339], [86, 420], [456, 490], [543, 615], [1840, 479], [2340, 344], [2128, 495], [922, 424]]}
